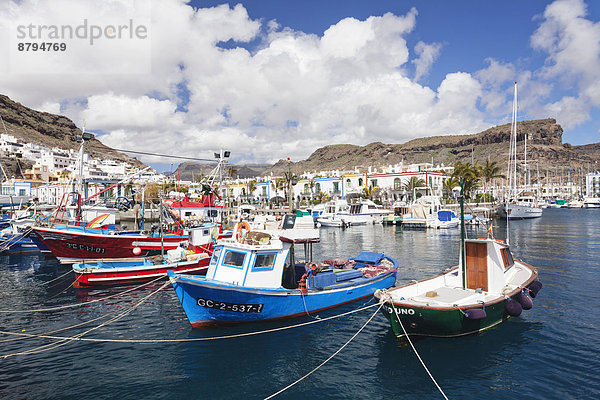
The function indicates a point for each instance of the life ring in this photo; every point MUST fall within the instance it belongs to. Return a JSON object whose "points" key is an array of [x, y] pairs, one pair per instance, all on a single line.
{"points": [[313, 267], [238, 230]]}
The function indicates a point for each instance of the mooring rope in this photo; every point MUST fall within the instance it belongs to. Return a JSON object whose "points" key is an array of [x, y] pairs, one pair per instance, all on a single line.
{"points": [[82, 304], [8, 243], [237, 335], [411, 343], [329, 358], [65, 341]]}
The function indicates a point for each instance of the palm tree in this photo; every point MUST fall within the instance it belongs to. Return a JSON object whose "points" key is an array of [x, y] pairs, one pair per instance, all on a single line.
{"points": [[370, 191], [471, 175], [412, 184], [489, 172], [251, 188], [289, 178], [450, 184], [278, 185]]}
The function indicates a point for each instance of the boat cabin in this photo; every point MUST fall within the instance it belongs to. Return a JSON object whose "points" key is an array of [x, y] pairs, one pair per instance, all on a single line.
{"points": [[487, 264]]}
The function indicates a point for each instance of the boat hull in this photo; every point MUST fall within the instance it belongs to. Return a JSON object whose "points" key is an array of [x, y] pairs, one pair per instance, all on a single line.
{"points": [[209, 304], [445, 323], [516, 211], [120, 272], [71, 246]]}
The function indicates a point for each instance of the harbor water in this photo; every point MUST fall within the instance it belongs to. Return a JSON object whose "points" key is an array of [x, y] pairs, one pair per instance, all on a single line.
{"points": [[550, 351]]}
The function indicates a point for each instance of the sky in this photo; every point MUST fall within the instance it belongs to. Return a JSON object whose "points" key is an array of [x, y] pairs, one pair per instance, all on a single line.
{"points": [[272, 79]]}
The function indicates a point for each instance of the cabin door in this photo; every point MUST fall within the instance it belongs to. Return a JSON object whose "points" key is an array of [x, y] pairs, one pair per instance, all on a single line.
{"points": [[477, 275]]}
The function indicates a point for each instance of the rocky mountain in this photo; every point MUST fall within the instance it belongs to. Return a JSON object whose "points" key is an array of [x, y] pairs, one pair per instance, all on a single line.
{"points": [[191, 171], [545, 150], [49, 130]]}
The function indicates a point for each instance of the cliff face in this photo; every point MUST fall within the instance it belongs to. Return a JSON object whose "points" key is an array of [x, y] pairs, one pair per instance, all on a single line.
{"points": [[544, 148], [50, 130]]}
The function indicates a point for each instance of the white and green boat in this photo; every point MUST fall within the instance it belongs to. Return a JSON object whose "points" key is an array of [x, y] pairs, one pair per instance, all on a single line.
{"points": [[486, 288]]}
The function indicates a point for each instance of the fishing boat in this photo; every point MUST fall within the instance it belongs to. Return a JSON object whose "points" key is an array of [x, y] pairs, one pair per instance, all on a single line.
{"points": [[255, 277], [189, 257], [16, 241], [488, 287]]}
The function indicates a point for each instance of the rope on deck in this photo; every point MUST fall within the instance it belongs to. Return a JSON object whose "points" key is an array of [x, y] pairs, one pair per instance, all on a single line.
{"points": [[389, 298], [328, 359]]}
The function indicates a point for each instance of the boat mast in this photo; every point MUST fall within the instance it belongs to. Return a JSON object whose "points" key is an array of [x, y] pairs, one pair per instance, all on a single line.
{"points": [[462, 234]]}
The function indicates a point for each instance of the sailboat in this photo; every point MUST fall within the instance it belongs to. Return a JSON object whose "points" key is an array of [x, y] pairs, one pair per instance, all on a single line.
{"points": [[486, 288], [518, 205]]}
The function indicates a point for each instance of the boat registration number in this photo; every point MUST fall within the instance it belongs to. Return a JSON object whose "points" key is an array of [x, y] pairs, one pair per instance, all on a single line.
{"points": [[235, 307], [84, 247]]}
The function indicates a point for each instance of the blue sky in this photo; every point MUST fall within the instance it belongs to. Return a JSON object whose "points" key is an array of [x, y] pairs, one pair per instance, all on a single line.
{"points": [[272, 79]]}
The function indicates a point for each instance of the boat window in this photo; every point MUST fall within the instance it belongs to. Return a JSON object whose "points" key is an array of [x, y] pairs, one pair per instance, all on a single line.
{"points": [[215, 256], [234, 259], [264, 261], [507, 257]]}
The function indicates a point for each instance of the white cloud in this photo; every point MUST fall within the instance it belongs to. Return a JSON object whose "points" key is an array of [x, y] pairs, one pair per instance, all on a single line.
{"points": [[427, 55], [294, 91]]}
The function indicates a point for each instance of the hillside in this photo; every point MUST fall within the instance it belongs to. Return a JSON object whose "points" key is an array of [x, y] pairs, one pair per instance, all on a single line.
{"points": [[48, 130], [544, 144]]}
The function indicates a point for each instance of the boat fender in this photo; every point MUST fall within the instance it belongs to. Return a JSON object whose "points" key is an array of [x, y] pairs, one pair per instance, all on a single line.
{"points": [[513, 307], [137, 251], [525, 301], [475, 313], [534, 287]]}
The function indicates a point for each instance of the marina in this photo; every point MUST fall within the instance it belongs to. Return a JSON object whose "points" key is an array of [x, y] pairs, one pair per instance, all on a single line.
{"points": [[151, 351]]}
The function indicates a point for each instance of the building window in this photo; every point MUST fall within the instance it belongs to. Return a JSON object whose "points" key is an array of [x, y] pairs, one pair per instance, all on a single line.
{"points": [[397, 184], [374, 182], [360, 182], [348, 183], [306, 188], [318, 187], [336, 187]]}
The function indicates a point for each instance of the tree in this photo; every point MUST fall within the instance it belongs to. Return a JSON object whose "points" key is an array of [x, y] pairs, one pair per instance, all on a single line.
{"points": [[489, 172], [450, 184], [470, 174], [412, 184], [251, 188], [289, 178], [371, 191]]}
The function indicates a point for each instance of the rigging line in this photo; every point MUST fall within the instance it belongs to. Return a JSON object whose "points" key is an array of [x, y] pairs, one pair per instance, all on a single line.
{"points": [[328, 359], [51, 346], [82, 304], [238, 335], [165, 155], [412, 345]]}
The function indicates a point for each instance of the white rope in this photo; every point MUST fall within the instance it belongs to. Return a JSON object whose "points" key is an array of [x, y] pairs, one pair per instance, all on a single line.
{"points": [[412, 345], [238, 335], [81, 304], [329, 358], [67, 340]]}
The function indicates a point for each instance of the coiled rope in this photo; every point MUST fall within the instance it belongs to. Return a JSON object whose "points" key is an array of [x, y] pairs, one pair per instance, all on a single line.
{"points": [[389, 297], [329, 358], [237, 335]]}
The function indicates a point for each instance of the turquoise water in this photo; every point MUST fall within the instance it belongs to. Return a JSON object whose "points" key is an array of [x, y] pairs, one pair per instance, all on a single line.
{"points": [[550, 351]]}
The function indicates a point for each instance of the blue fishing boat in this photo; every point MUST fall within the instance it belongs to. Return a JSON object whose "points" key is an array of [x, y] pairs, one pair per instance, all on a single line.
{"points": [[255, 277]]}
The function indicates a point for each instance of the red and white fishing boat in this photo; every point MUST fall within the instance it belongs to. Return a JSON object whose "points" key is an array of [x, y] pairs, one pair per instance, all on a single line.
{"points": [[190, 257], [71, 244]]}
